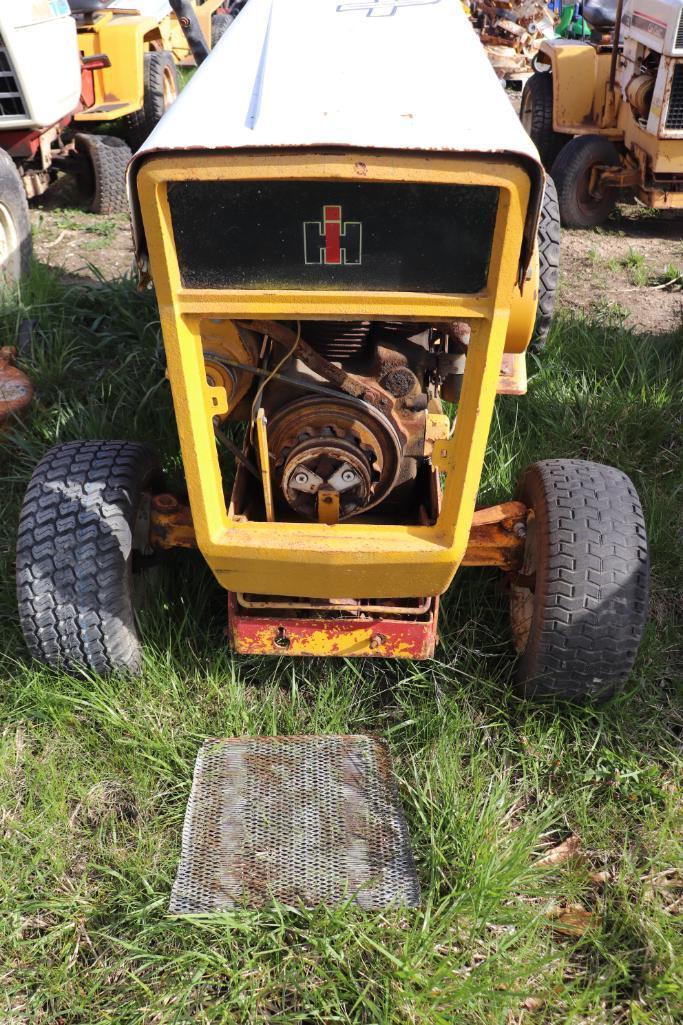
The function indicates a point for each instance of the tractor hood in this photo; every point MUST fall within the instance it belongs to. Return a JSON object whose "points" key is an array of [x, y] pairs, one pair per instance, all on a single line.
{"points": [[390, 75]]}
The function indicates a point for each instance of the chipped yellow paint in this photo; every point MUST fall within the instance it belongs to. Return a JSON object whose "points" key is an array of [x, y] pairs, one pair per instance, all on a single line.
{"points": [[325, 642]]}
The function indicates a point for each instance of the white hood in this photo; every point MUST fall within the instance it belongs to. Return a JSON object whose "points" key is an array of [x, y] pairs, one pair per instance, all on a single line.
{"points": [[359, 74]]}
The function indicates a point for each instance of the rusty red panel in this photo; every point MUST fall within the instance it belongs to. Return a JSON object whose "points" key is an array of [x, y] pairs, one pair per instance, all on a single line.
{"points": [[251, 634]]}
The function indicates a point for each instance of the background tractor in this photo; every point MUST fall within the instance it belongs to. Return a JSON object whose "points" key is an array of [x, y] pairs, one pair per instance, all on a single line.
{"points": [[512, 31], [347, 287], [143, 41], [606, 114], [36, 119]]}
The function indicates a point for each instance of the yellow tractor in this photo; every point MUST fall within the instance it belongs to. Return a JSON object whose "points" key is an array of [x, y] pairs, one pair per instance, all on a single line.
{"points": [[334, 266], [607, 113], [142, 41]]}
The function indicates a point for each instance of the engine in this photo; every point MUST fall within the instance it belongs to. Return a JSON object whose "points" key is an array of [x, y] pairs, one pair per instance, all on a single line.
{"points": [[348, 408]]}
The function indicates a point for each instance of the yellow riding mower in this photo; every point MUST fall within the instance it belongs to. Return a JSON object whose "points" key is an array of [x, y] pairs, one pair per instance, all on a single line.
{"points": [[607, 113], [142, 41], [328, 271]]}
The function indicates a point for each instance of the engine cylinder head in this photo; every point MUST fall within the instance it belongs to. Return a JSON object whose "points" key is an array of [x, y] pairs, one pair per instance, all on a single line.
{"points": [[338, 341]]}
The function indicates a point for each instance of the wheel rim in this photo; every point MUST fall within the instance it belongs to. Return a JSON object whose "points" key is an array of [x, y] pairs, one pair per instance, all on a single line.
{"points": [[144, 579], [522, 599], [587, 202], [10, 256], [170, 89]]}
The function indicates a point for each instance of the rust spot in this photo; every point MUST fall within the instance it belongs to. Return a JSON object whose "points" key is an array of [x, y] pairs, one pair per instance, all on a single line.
{"points": [[301, 819], [16, 391]]}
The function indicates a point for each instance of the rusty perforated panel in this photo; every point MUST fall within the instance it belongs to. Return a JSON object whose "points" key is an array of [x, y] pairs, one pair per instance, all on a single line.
{"points": [[312, 820]]}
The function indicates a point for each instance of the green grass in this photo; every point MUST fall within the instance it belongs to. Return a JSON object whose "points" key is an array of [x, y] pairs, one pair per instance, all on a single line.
{"points": [[636, 265], [671, 275], [99, 231], [96, 773]]}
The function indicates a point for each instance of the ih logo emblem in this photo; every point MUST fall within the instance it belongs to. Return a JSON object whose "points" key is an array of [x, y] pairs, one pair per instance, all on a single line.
{"points": [[333, 241]]}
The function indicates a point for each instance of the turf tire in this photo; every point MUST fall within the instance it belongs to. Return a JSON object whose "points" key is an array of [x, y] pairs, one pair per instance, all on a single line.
{"points": [[548, 265], [74, 554], [587, 607], [162, 86], [15, 224], [108, 159], [571, 173], [536, 114]]}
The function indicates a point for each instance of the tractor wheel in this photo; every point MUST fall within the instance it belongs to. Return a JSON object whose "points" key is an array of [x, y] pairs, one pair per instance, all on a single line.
{"points": [[108, 159], [15, 224], [536, 115], [161, 89], [548, 265], [578, 606], [572, 171], [220, 23], [84, 518]]}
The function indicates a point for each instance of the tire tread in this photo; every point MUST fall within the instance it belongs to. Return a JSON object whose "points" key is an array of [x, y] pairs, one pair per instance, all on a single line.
{"points": [[591, 583], [74, 549]]}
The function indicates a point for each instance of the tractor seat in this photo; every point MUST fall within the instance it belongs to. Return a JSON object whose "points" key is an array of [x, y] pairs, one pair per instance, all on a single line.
{"points": [[88, 6], [600, 14]]}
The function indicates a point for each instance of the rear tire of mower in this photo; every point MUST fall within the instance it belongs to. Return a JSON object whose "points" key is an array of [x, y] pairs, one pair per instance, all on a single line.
{"points": [[571, 172], [15, 225], [77, 534], [548, 265], [162, 86], [536, 115], [579, 608], [108, 158]]}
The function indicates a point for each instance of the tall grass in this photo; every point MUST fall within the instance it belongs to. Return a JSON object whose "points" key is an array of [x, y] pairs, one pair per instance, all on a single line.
{"points": [[96, 773]]}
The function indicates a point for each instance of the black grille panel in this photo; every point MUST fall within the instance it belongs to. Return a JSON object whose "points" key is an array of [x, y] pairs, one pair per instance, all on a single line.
{"points": [[674, 114], [342, 236], [11, 100]]}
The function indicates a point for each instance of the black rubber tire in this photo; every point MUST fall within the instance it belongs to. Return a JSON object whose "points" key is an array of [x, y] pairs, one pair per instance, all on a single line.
{"points": [[220, 23], [536, 114], [160, 75], [18, 227], [108, 158], [571, 173], [587, 608], [548, 242], [75, 551]]}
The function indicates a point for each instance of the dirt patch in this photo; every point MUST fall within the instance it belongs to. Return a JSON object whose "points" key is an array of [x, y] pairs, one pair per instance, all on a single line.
{"points": [[76, 243], [632, 265]]}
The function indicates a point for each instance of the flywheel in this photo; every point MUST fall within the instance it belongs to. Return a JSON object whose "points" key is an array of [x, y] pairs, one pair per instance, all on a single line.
{"points": [[336, 445]]}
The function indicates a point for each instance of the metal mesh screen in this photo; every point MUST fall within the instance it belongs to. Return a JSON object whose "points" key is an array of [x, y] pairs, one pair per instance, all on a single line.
{"points": [[312, 820], [674, 116]]}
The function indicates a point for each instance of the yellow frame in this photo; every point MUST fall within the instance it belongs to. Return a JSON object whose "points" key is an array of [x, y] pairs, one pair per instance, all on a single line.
{"points": [[314, 559]]}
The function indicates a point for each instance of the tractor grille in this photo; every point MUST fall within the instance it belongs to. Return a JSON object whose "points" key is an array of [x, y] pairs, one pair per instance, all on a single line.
{"points": [[674, 113], [11, 100], [678, 44], [312, 820], [340, 236]]}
